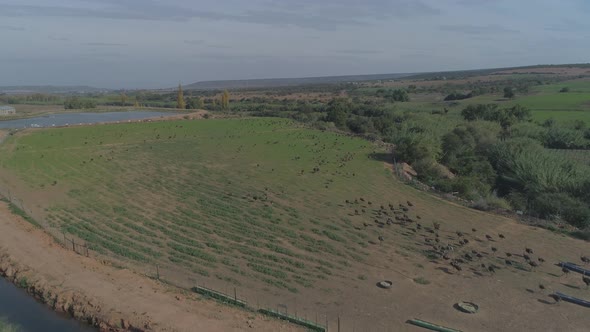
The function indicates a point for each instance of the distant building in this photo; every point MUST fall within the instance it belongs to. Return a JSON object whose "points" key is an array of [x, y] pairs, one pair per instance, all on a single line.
{"points": [[7, 110]]}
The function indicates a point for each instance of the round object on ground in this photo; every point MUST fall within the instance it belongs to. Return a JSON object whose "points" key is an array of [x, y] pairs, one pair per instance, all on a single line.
{"points": [[385, 284], [467, 307]]}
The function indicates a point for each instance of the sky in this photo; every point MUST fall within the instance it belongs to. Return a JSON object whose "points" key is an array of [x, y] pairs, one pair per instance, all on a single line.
{"points": [[160, 43]]}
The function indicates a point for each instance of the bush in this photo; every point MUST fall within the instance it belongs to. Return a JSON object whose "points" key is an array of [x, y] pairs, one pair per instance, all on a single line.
{"points": [[77, 103], [561, 205], [491, 202], [565, 138], [458, 96]]}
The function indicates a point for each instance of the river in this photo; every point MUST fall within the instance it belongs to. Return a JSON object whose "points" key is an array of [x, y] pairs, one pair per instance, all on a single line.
{"points": [[19, 309], [65, 119]]}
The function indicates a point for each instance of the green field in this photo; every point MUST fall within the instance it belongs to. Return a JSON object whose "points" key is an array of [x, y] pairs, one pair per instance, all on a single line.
{"points": [[223, 198], [7, 327]]}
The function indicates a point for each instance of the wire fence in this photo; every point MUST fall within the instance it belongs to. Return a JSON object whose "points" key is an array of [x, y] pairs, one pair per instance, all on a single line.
{"points": [[290, 309]]}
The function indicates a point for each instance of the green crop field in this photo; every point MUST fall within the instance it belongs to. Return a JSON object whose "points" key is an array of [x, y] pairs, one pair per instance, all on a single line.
{"points": [[224, 198]]}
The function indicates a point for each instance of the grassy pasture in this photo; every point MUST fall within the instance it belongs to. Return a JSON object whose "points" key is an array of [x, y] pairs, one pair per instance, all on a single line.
{"points": [[261, 204], [223, 198]]}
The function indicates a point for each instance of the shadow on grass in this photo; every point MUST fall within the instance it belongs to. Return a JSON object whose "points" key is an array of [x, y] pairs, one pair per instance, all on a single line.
{"points": [[380, 156], [445, 270], [570, 286], [545, 302]]}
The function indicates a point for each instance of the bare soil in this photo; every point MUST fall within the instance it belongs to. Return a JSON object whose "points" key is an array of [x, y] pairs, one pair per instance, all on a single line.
{"points": [[112, 298]]}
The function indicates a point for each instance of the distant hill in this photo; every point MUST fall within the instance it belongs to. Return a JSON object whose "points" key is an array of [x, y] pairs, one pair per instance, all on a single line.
{"points": [[282, 82], [50, 89], [456, 74]]}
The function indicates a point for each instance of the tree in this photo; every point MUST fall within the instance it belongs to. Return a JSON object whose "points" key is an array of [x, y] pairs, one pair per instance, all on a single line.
{"points": [[194, 103], [136, 105], [225, 100], [508, 92], [338, 110], [180, 98], [123, 99]]}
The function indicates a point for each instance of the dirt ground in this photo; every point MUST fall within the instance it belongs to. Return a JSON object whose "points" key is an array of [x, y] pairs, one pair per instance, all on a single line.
{"points": [[114, 296], [509, 299]]}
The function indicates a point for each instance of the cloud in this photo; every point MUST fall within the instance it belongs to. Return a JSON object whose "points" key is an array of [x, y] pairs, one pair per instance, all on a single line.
{"points": [[58, 38], [200, 42], [567, 25], [324, 15], [267, 57], [477, 29], [11, 28], [359, 51], [106, 44]]}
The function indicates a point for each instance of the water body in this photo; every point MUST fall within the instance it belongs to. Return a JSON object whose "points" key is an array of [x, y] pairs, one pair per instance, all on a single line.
{"points": [[66, 119], [21, 310]]}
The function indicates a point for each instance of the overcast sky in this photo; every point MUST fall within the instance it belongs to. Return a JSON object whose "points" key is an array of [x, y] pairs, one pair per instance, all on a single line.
{"points": [[158, 43]]}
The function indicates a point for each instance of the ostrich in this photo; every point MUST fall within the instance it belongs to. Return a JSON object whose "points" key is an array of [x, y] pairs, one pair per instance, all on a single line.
{"points": [[501, 236], [533, 265], [474, 230], [541, 287], [555, 297]]}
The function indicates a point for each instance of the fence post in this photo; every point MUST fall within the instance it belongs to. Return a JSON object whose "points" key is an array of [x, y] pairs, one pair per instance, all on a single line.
{"points": [[73, 245], [157, 272], [338, 323], [235, 295]]}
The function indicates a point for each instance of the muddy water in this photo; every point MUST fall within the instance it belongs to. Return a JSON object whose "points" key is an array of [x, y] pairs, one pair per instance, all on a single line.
{"points": [[65, 119], [21, 310]]}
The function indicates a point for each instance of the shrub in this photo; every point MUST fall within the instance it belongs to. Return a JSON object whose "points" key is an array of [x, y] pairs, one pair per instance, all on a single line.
{"points": [[558, 137], [561, 205], [490, 202], [458, 96]]}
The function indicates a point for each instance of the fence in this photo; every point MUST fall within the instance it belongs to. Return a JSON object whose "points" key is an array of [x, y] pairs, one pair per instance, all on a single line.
{"points": [[180, 279]]}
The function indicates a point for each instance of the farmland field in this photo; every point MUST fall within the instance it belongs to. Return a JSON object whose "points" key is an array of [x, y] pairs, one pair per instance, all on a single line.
{"points": [[289, 216]]}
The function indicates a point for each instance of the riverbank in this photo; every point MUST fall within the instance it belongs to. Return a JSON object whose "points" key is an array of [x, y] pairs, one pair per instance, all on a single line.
{"points": [[105, 296], [33, 111]]}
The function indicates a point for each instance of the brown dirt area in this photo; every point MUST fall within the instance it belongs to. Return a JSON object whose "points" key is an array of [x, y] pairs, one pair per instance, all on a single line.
{"points": [[107, 296], [509, 300]]}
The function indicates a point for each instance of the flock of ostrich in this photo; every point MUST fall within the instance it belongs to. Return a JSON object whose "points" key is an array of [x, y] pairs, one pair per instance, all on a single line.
{"points": [[454, 247]]}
